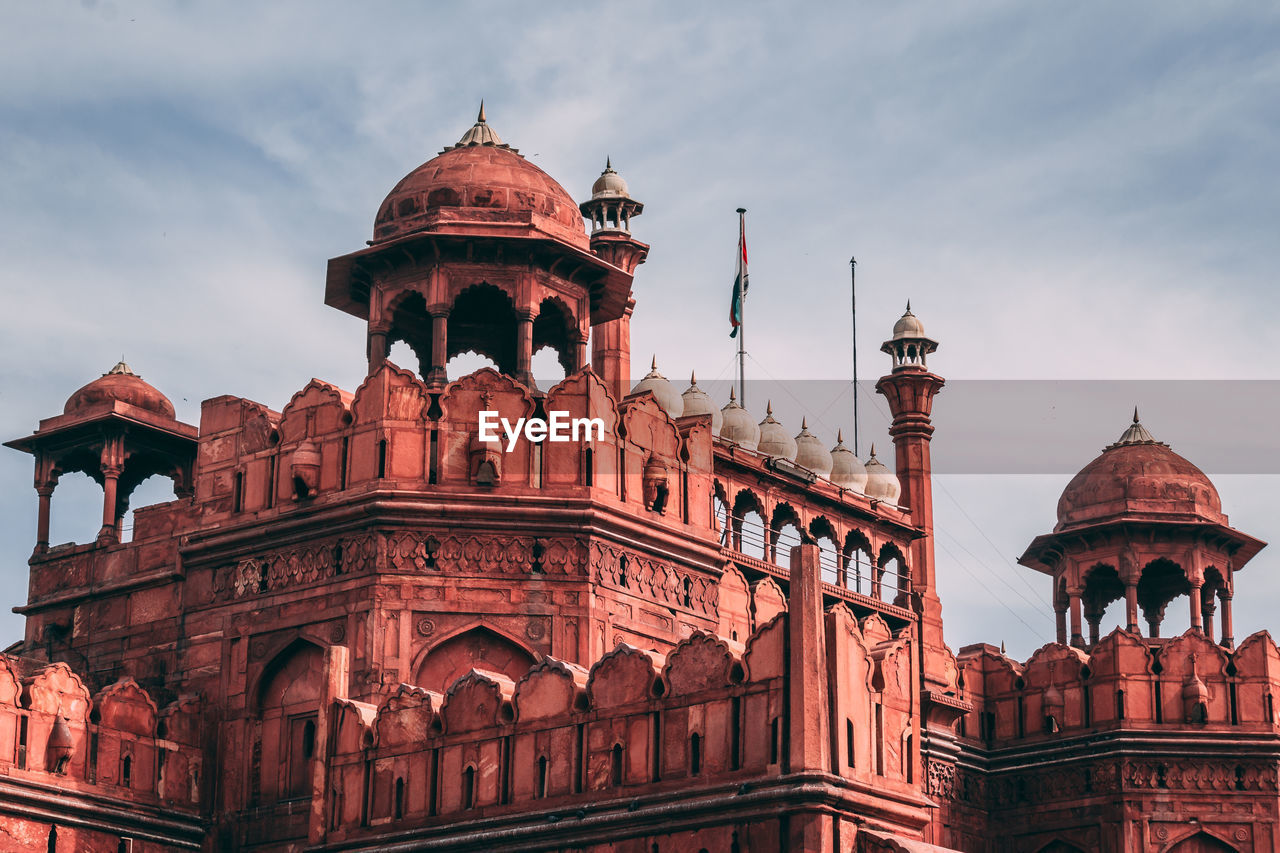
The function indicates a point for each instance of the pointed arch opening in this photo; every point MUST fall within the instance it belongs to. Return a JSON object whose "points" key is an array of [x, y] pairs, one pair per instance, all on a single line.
{"points": [[483, 320], [287, 703], [476, 648]]}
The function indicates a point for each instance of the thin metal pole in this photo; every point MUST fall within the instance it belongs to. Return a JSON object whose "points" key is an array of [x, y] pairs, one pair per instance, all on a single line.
{"points": [[742, 310], [853, 291]]}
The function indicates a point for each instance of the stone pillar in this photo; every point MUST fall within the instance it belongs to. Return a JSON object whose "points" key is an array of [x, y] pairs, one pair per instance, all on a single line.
{"points": [[1077, 638], [438, 373], [611, 353], [1131, 606], [110, 481], [1095, 621], [1197, 610], [1207, 607], [1228, 641], [808, 725], [378, 349], [336, 679], [1060, 617], [524, 347], [45, 493]]}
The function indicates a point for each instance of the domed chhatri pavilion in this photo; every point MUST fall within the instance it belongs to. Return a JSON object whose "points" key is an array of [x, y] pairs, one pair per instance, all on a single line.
{"points": [[358, 626]]}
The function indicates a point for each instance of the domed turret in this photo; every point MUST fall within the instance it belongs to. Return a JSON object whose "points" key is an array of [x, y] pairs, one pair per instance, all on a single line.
{"points": [[480, 183], [697, 402], [662, 389], [1138, 477], [774, 440], [847, 469], [611, 206], [119, 384], [882, 484], [909, 347], [737, 425], [810, 453]]}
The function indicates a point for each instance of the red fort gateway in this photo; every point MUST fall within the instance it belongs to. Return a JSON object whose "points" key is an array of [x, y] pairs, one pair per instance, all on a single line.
{"points": [[359, 627]]}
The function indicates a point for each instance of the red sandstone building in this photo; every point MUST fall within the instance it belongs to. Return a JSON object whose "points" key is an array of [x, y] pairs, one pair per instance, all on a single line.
{"points": [[359, 627]]}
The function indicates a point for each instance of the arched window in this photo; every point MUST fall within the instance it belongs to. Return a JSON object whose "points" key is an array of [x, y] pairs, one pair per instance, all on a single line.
{"points": [[615, 765], [287, 697], [469, 788]]}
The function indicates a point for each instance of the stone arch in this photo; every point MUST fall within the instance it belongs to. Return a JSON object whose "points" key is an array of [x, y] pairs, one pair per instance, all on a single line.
{"points": [[287, 700], [1060, 846], [1101, 585], [1161, 581], [483, 320], [1200, 841], [857, 558], [554, 327], [749, 536], [899, 587], [784, 516], [409, 322], [475, 646]]}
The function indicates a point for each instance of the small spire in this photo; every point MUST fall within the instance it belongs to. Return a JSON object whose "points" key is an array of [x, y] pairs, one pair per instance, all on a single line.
{"points": [[1002, 647], [693, 378], [839, 436], [1135, 414], [804, 423], [768, 409], [733, 396], [480, 118], [120, 367], [873, 450], [653, 362], [608, 163]]}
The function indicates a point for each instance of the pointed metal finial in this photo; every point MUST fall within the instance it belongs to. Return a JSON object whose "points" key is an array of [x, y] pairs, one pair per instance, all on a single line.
{"points": [[873, 450], [839, 436], [768, 409], [608, 163], [480, 117], [1135, 414], [804, 422], [908, 306], [733, 396], [653, 362], [1002, 647], [693, 378]]}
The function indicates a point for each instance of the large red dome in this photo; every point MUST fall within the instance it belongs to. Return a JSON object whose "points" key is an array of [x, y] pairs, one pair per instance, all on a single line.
{"points": [[1140, 478], [123, 385], [480, 185]]}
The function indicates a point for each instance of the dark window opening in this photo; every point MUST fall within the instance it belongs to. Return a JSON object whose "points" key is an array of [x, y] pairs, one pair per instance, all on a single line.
{"points": [[22, 742], [382, 458], [397, 809], [688, 593], [735, 734], [342, 462], [541, 790], [616, 765], [271, 482], [588, 467], [848, 743], [469, 788], [126, 771], [775, 741], [52, 845], [695, 754], [1119, 704], [237, 492]]}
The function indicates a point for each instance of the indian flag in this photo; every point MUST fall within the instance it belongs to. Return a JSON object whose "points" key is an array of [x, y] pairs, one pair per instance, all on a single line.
{"points": [[740, 281]]}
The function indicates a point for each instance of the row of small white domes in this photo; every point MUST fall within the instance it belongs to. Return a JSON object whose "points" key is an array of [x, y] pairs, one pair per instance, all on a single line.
{"points": [[733, 423]]}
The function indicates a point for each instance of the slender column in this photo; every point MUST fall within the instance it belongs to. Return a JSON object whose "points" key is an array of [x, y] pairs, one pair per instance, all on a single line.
{"points": [[581, 354], [377, 349], [1197, 611], [1095, 621], [109, 532], [438, 373], [1060, 617], [1207, 606], [1228, 640], [524, 347], [1131, 606], [45, 493], [1077, 638]]}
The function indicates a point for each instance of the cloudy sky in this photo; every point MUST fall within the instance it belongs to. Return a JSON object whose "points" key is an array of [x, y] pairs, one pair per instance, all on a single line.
{"points": [[1081, 192]]}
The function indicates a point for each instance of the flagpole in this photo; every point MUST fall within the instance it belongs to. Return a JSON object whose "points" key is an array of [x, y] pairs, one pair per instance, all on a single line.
{"points": [[853, 295], [742, 324]]}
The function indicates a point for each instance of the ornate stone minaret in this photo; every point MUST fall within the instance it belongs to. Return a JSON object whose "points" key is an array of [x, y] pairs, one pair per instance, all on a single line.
{"points": [[610, 210], [910, 388]]}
